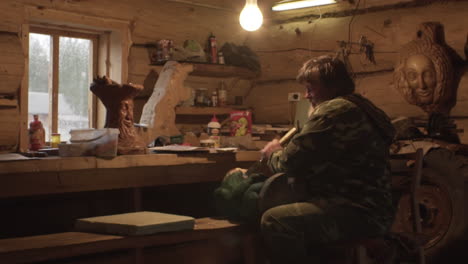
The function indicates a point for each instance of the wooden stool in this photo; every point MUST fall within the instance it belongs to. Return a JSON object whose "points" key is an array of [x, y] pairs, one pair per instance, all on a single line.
{"points": [[359, 251]]}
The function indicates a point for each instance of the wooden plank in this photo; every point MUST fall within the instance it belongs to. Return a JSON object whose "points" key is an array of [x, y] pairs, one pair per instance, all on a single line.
{"points": [[73, 18], [149, 160], [139, 64], [92, 98], [62, 164], [53, 104], [61, 32], [12, 69], [217, 70], [9, 84], [53, 164], [8, 102], [187, 110], [70, 244], [10, 124], [36, 183], [23, 94], [13, 57], [50, 241], [158, 113], [56, 246]]}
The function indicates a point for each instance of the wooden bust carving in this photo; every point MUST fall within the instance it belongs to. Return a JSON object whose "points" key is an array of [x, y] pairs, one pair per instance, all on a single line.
{"points": [[118, 100], [427, 71]]}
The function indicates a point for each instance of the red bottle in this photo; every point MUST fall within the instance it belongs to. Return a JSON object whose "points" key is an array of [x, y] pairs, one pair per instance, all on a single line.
{"points": [[36, 134], [213, 49]]}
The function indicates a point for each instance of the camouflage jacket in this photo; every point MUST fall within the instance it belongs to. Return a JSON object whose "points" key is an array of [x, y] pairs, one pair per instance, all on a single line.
{"points": [[342, 157]]}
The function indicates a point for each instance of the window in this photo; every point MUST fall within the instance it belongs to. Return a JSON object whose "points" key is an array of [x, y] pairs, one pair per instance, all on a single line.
{"points": [[61, 68]]}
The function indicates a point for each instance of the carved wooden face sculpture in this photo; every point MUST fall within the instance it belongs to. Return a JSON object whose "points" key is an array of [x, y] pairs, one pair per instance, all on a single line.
{"points": [[421, 78], [425, 73]]}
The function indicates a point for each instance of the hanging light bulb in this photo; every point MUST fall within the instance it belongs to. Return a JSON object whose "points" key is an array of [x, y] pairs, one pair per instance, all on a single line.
{"points": [[251, 17]]}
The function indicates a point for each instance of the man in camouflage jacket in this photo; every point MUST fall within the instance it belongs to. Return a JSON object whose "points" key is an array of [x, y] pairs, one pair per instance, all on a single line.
{"points": [[341, 156]]}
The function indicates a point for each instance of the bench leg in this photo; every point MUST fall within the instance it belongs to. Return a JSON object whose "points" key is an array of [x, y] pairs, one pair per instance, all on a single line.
{"points": [[136, 199], [252, 249], [138, 253], [361, 255]]}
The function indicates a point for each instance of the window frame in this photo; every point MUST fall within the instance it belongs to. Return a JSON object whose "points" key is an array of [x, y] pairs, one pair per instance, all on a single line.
{"points": [[54, 90]]}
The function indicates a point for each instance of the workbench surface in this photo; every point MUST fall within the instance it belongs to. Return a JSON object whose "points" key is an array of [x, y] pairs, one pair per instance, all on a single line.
{"points": [[74, 174]]}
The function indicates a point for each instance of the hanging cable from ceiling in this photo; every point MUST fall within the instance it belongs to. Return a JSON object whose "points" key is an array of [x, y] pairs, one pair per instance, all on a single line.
{"points": [[351, 20]]}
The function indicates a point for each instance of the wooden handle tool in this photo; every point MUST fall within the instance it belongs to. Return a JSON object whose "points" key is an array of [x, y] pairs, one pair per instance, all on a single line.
{"points": [[283, 140]]}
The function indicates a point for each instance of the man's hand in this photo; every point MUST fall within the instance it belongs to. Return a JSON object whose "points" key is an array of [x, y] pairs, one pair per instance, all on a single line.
{"points": [[238, 169], [271, 147]]}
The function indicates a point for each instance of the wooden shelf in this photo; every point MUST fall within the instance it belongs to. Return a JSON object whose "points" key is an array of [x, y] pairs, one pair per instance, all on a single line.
{"points": [[193, 110], [218, 70]]}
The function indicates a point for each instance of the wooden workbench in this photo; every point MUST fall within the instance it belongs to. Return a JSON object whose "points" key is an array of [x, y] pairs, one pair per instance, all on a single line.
{"points": [[75, 174], [40, 200], [46, 195]]}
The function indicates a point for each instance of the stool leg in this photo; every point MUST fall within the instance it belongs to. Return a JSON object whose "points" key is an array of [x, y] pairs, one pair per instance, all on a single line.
{"points": [[361, 255]]}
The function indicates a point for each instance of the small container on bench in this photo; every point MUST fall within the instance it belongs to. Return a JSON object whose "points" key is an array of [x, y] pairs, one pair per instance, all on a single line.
{"points": [[91, 142]]}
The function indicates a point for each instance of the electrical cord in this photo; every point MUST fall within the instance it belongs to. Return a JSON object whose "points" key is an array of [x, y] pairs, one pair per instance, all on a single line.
{"points": [[351, 21], [313, 30]]}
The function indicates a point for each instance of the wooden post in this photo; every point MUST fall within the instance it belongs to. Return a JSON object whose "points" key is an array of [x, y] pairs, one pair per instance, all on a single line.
{"points": [[136, 199]]}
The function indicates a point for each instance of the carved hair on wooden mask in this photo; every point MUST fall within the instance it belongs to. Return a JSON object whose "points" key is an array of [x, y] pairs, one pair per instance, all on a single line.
{"points": [[425, 73]]}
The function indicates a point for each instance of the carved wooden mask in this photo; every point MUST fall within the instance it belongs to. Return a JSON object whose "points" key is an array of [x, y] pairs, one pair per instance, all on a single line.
{"points": [[425, 74]]}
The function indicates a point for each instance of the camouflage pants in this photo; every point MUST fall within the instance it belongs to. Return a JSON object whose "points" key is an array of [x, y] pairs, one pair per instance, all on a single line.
{"points": [[292, 232]]}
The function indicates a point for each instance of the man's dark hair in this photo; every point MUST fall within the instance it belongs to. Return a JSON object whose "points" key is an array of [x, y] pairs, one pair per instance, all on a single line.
{"points": [[332, 74]]}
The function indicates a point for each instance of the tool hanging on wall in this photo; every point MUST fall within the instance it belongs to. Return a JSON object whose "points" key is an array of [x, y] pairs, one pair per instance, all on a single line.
{"points": [[366, 47]]}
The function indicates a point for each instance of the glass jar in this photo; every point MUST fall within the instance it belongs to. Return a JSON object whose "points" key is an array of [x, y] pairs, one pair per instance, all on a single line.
{"points": [[201, 96], [55, 140]]}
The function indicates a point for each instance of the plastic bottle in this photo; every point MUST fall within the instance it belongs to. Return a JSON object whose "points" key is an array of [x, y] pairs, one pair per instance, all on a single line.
{"points": [[214, 99], [36, 134], [213, 131], [221, 58], [222, 95]]}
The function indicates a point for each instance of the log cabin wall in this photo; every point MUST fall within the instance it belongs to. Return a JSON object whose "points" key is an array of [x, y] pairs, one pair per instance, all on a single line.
{"points": [[149, 21], [282, 45], [282, 51]]}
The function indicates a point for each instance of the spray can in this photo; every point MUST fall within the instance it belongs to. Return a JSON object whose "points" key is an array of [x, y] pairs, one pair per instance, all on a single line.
{"points": [[213, 48]]}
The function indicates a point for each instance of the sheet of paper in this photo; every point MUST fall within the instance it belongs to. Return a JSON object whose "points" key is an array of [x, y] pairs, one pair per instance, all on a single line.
{"points": [[178, 148], [13, 156]]}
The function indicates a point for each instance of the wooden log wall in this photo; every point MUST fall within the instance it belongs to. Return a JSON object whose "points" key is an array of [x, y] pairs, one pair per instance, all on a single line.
{"points": [[11, 75], [283, 47], [149, 21]]}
